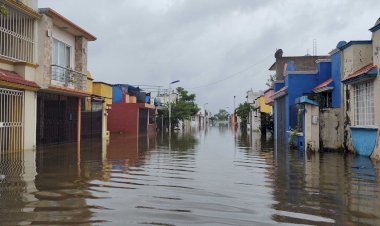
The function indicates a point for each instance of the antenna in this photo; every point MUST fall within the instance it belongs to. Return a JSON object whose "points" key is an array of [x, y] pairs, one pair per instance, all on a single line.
{"points": [[315, 46]]}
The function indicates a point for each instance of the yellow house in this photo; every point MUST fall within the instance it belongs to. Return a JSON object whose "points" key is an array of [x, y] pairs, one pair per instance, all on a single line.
{"points": [[264, 107], [104, 90]]}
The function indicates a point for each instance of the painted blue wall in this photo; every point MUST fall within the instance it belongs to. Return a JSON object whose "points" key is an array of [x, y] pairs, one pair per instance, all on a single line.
{"points": [[116, 94], [298, 85], [324, 71], [336, 76], [278, 85]]}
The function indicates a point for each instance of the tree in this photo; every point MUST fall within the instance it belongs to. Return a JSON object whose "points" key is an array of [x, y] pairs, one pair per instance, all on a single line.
{"points": [[243, 111], [271, 80], [182, 109], [3, 10], [222, 115]]}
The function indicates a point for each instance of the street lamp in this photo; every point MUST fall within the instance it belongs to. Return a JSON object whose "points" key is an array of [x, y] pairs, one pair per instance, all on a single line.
{"points": [[170, 106]]}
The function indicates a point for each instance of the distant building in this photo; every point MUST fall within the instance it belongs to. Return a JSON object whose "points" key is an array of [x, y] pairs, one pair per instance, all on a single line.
{"points": [[165, 98], [131, 111], [254, 121]]}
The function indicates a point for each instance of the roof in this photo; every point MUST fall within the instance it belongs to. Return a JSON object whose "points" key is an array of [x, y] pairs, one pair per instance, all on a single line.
{"points": [[376, 27], [64, 22], [13, 77], [368, 71], [279, 93], [324, 86], [268, 94], [355, 42], [98, 82]]}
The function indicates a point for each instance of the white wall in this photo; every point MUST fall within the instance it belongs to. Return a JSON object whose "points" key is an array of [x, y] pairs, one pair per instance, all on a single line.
{"points": [[30, 118], [31, 3]]}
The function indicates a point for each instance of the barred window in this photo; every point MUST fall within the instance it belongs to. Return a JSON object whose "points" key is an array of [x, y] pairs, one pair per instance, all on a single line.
{"points": [[17, 36], [364, 104]]}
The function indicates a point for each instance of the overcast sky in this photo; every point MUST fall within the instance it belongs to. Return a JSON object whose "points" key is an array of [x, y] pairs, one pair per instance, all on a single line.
{"points": [[202, 42]]}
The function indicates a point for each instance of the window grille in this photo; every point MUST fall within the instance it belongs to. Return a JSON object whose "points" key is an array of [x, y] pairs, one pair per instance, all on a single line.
{"points": [[364, 104], [17, 36]]}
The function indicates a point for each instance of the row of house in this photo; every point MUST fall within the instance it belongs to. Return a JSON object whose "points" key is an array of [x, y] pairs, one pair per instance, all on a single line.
{"points": [[261, 112], [330, 102], [47, 94]]}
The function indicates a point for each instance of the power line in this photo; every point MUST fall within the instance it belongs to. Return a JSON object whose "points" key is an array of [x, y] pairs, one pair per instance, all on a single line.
{"points": [[233, 74]]}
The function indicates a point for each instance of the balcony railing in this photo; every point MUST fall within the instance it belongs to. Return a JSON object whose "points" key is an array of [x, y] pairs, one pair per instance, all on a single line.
{"points": [[65, 77]]}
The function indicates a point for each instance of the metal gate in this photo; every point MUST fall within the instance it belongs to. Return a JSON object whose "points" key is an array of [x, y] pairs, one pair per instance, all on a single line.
{"points": [[92, 118], [143, 121], [11, 120], [57, 119]]}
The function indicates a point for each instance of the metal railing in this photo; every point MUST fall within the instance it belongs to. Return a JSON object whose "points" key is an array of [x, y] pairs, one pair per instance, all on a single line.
{"points": [[68, 78]]}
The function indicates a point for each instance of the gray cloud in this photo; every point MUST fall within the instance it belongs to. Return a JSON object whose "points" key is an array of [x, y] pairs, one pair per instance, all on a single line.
{"points": [[202, 41]]}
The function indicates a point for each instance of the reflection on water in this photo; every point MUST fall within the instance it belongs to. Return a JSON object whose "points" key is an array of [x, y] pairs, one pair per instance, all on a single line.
{"points": [[214, 176]]}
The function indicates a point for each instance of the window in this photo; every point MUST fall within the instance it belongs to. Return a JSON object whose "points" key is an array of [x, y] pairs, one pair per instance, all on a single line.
{"points": [[61, 54], [325, 100], [364, 103]]}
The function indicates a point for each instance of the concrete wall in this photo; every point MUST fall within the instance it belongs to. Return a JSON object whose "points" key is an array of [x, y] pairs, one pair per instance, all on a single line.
{"points": [[302, 63], [80, 54], [44, 52], [31, 3], [30, 120], [353, 58], [376, 61], [331, 128], [311, 128]]}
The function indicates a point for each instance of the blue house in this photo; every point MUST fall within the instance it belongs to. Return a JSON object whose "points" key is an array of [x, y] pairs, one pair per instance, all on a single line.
{"points": [[298, 98]]}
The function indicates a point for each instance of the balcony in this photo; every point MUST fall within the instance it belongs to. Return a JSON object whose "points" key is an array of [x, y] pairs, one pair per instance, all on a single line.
{"points": [[65, 77]]}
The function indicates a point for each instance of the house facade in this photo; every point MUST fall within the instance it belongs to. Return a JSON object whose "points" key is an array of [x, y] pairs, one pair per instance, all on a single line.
{"points": [[131, 112], [18, 71], [254, 120], [62, 76], [295, 76], [360, 71]]}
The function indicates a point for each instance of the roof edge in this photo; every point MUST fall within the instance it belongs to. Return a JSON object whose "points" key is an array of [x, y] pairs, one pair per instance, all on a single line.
{"points": [[52, 13]]}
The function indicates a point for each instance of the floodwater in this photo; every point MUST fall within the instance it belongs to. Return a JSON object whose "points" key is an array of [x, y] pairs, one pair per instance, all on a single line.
{"points": [[212, 177]]}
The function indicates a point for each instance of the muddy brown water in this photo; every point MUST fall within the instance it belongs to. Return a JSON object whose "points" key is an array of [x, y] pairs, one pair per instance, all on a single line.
{"points": [[212, 177]]}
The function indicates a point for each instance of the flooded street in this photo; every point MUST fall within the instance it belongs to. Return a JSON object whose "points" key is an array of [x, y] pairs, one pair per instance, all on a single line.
{"points": [[213, 177]]}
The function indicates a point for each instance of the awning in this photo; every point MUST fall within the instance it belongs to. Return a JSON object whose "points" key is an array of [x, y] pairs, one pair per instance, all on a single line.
{"points": [[365, 73], [14, 80], [324, 86], [305, 100], [280, 93]]}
